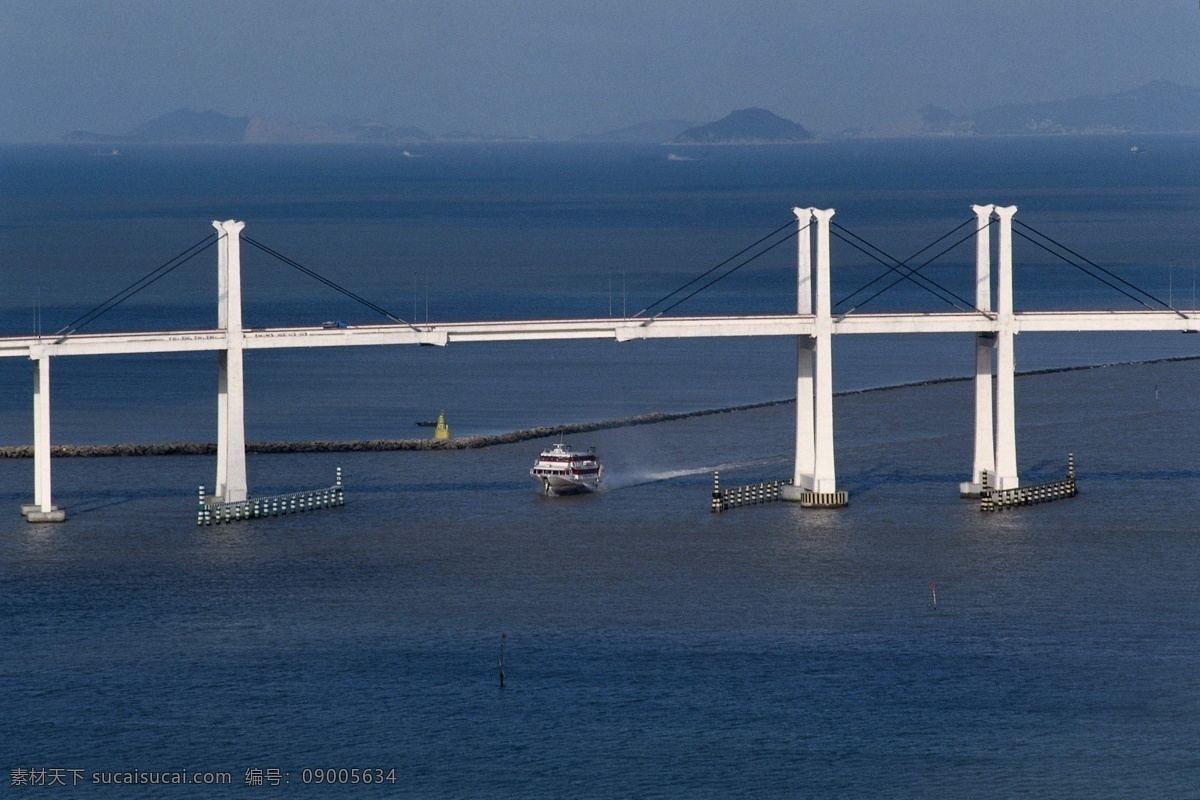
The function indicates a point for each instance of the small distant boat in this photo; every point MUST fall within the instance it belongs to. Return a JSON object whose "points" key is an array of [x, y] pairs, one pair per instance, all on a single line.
{"points": [[562, 471], [427, 423]]}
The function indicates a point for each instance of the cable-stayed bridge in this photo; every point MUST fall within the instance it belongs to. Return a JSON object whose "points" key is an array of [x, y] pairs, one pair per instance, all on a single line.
{"points": [[989, 315]]}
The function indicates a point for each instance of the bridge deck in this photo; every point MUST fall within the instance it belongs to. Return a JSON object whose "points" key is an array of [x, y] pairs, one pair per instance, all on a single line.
{"points": [[605, 328]]}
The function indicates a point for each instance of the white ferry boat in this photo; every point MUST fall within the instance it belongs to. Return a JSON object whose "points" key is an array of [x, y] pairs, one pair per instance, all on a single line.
{"points": [[562, 471]]}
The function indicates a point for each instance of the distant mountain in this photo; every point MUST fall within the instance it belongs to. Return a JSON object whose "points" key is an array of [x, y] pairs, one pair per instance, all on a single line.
{"points": [[476, 136], [747, 126], [178, 127], [188, 127], [1157, 107], [211, 127], [331, 130], [654, 132]]}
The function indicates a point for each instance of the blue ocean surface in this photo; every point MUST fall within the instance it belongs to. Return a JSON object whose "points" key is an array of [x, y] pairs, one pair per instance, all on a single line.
{"points": [[651, 648]]}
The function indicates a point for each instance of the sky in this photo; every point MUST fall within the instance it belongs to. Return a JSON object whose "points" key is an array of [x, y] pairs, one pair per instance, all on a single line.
{"points": [[562, 68]]}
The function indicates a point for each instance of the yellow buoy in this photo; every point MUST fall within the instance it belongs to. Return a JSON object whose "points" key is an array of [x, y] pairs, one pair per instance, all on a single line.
{"points": [[442, 431]]}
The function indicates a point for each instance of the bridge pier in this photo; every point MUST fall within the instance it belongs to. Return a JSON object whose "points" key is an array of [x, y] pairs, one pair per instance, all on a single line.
{"points": [[805, 443], [231, 417], [985, 344], [42, 509], [814, 481], [231, 423], [1006, 409], [995, 424]]}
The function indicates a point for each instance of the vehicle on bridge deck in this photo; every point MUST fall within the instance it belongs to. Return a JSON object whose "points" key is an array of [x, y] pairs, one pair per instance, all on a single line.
{"points": [[562, 471]]}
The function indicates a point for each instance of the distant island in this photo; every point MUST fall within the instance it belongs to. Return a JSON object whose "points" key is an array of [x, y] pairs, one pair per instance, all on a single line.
{"points": [[747, 126], [211, 127], [1157, 107], [652, 132]]}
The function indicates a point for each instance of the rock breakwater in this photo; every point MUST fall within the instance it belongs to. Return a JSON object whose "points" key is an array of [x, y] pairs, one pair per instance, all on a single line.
{"points": [[486, 440], [369, 445]]}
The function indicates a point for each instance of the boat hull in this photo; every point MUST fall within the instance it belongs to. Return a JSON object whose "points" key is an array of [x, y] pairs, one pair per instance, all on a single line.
{"points": [[561, 485]]}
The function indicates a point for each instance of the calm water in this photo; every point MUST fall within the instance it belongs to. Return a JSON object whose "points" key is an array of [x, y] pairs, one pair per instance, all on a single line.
{"points": [[653, 649]]}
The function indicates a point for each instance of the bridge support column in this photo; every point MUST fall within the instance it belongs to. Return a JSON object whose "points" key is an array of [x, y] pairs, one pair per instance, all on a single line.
{"points": [[231, 418], [805, 432], [1006, 411], [42, 509], [985, 343], [814, 383], [823, 470]]}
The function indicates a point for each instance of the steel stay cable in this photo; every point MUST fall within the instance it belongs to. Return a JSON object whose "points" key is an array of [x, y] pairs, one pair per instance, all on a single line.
{"points": [[1087, 261], [912, 271], [1113, 286], [1091, 263], [893, 258], [133, 288], [713, 269], [903, 276], [357, 298], [722, 277], [972, 306], [146, 280]]}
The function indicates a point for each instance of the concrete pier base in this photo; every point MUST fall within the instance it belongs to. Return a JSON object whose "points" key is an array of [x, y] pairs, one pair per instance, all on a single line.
{"points": [[969, 491], [33, 513], [810, 499]]}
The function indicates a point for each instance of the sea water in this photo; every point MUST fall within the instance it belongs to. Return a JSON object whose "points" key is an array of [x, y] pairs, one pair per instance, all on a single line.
{"points": [[652, 649]]}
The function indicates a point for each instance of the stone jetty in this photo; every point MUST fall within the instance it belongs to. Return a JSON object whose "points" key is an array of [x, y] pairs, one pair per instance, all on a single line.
{"points": [[368, 445]]}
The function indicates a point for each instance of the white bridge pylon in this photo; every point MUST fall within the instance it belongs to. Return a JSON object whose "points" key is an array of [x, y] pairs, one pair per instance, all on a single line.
{"points": [[814, 466], [995, 439], [813, 326], [231, 415]]}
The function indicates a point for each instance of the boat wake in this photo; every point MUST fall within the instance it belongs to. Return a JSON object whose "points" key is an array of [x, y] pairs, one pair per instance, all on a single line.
{"points": [[616, 478]]}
